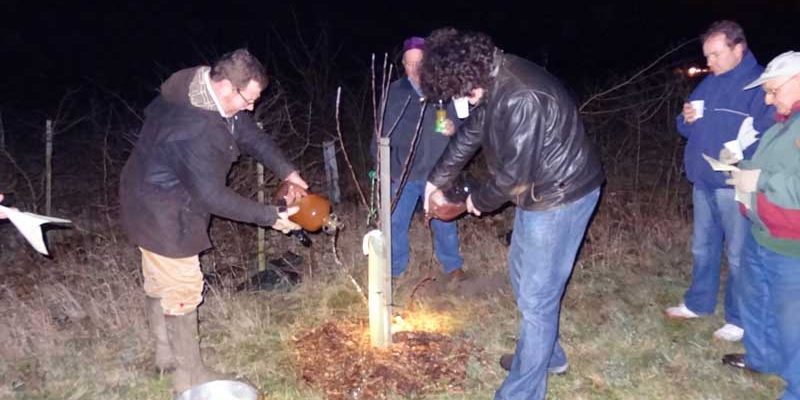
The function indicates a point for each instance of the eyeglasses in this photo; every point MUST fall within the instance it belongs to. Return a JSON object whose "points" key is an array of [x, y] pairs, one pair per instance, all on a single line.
{"points": [[774, 91], [246, 100]]}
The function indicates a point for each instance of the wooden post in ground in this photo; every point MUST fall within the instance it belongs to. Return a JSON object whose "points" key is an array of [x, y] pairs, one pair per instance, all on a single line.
{"points": [[379, 330], [382, 276], [2, 134], [261, 234], [48, 167], [331, 170], [262, 255]]}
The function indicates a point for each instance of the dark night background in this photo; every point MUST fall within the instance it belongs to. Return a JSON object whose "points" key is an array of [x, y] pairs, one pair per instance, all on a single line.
{"points": [[128, 47]]}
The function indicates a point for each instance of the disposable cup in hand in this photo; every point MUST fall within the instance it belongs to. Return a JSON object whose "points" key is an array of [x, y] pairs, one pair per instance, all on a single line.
{"points": [[699, 106], [462, 107]]}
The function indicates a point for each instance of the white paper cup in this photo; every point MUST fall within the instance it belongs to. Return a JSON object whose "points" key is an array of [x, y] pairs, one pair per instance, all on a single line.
{"points": [[699, 106], [462, 107]]}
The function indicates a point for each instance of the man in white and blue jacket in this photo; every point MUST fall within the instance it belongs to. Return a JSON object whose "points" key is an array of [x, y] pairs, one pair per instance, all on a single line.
{"points": [[719, 119]]}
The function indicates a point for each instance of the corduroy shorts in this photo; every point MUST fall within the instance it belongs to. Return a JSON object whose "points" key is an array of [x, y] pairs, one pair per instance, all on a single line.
{"points": [[178, 282]]}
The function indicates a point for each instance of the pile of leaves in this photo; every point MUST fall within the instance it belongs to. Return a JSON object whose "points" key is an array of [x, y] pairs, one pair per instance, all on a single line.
{"points": [[338, 359]]}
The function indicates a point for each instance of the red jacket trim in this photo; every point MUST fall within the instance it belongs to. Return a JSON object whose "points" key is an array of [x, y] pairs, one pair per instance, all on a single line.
{"points": [[782, 223], [784, 118]]}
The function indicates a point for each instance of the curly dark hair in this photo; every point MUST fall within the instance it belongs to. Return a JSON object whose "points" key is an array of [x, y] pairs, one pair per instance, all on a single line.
{"points": [[455, 63]]}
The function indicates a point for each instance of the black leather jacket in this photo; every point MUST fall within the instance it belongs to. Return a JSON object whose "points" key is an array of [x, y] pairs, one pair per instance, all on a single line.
{"points": [[535, 146]]}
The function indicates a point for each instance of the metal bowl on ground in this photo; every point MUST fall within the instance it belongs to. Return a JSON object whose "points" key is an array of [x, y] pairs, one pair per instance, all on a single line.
{"points": [[220, 390]]}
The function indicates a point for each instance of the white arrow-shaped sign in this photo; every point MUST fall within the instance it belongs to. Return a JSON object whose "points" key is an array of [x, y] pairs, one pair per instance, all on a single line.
{"points": [[30, 225]]}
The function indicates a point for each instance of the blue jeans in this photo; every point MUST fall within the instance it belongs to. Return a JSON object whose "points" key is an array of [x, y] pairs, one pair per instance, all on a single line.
{"points": [[445, 234], [543, 250], [717, 221], [770, 306]]}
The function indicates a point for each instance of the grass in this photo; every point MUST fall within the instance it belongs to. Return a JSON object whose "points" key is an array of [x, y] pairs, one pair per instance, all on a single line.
{"points": [[74, 327]]}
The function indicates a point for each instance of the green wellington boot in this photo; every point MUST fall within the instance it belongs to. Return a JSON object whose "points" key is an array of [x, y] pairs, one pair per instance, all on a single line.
{"points": [[185, 343]]}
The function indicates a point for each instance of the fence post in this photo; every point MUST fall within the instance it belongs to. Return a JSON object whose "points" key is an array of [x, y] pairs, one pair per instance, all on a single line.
{"points": [[331, 170], [386, 230], [262, 256], [48, 167], [2, 134]]}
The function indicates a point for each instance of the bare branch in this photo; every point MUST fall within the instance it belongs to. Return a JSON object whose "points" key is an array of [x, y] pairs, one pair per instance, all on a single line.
{"points": [[634, 76], [344, 152]]}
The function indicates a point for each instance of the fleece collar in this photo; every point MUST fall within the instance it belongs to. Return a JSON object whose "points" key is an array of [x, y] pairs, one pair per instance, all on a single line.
{"points": [[201, 95]]}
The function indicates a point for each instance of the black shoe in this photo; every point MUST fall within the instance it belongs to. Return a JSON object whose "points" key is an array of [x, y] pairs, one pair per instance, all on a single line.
{"points": [[507, 359], [735, 360]]}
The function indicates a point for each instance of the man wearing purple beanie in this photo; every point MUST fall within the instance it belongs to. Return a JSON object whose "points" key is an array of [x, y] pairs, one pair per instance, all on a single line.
{"points": [[403, 108]]}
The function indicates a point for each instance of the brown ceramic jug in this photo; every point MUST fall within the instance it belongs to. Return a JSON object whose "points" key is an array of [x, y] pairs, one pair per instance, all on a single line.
{"points": [[454, 202], [315, 210]]}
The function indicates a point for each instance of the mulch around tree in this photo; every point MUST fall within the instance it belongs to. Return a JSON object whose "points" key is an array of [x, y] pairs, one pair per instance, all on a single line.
{"points": [[337, 358]]}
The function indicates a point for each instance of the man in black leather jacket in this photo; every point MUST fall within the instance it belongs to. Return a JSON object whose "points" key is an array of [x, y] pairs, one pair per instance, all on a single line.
{"points": [[175, 179], [540, 159]]}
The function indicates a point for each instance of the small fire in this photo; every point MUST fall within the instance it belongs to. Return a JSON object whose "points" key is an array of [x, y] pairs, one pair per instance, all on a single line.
{"points": [[691, 72]]}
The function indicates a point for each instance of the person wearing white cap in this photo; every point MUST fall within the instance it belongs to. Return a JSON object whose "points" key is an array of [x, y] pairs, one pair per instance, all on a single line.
{"points": [[719, 114], [768, 186]]}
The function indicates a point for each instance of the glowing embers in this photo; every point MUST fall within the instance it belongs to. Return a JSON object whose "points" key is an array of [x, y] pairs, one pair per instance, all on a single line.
{"points": [[423, 321]]}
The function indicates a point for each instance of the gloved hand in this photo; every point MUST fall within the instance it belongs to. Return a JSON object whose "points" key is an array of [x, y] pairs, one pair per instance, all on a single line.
{"points": [[283, 223], [745, 180]]}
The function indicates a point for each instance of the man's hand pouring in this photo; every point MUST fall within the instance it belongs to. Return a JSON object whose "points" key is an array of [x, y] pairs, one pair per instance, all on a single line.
{"points": [[283, 223], [297, 189], [432, 194], [471, 207]]}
